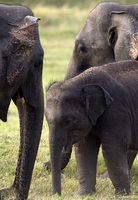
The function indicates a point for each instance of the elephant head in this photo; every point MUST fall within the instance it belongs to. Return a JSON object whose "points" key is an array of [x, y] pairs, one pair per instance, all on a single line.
{"points": [[21, 62], [71, 113], [109, 34], [16, 53], [17, 46]]}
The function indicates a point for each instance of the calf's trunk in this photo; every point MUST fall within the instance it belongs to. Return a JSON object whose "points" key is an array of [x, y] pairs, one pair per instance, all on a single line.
{"points": [[55, 156]]}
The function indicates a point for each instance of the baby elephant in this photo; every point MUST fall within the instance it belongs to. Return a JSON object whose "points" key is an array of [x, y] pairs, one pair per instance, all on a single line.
{"points": [[97, 107]]}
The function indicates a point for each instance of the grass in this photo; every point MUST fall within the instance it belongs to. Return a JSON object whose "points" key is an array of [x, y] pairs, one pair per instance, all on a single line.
{"points": [[58, 28]]}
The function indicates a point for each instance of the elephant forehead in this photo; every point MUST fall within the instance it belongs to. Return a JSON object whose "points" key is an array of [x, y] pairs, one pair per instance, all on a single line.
{"points": [[61, 102], [94, 30], [9, 13], [54, 100], [98, 19], [53, 110], [62, 94], [53, 96], [57, 111]]}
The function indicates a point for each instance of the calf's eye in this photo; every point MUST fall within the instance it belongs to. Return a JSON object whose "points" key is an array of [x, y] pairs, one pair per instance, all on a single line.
{"points": [[68, 121]]}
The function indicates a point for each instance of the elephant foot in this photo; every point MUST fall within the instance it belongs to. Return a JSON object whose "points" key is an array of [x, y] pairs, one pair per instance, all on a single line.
{"points": [[10, 193], [124, 192], [47, 165], [85, 192]]}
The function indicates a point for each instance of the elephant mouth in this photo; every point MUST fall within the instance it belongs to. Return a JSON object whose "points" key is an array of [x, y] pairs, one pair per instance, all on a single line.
{"points": [[68, 145], [4, 111], [5, 101]]}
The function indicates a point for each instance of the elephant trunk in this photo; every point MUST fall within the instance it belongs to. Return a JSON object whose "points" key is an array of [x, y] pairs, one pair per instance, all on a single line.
{"points": [[56, 146], [72, 69], [55, 156]]}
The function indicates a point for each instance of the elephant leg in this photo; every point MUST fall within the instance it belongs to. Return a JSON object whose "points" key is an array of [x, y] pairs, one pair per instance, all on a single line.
{"points": [[5, 193], [86, 152], [31, 127], [116, 161], [31, 120], [65, 157], [130, 158]]}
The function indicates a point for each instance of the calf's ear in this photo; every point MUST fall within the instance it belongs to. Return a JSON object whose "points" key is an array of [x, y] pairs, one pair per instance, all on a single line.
{"points": [[96, 100]]}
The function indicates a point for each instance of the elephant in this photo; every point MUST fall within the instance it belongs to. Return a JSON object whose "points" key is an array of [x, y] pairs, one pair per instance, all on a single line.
{"points": [[21, 63], [99, 107], [109, 34]]}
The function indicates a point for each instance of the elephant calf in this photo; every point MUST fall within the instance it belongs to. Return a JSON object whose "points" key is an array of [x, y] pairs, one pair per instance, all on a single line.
{"points": [[97, 107]]}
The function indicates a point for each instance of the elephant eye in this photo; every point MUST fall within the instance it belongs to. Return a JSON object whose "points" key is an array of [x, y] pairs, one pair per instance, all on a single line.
{"points": [[69, 121], [82, 49], [38, 63]]}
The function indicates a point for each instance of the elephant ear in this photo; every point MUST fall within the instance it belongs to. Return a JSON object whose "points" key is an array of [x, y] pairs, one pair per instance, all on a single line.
{"points": [[96, 100], [123, 36], [22, 43]]}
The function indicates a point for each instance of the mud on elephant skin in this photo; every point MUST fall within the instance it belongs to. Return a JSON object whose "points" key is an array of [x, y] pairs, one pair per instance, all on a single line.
{"points": [[21, 61], [104, 38], [96, 108]]}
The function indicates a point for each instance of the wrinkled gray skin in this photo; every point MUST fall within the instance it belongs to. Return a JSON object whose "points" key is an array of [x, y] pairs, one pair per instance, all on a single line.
{"points": [[97, 107], [21, 59], [109, 34]]}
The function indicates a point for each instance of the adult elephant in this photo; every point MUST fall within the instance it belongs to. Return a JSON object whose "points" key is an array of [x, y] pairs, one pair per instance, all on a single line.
{"points": [[21, 61], [109, 34]]}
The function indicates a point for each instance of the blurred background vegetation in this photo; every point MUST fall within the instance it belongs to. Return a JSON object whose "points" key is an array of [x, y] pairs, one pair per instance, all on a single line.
{"points": [[61, 20], [59, 3]]}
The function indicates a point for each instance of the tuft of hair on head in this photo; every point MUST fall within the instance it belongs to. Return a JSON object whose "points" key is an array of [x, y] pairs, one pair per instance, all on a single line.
{"points": [[49, 85]]}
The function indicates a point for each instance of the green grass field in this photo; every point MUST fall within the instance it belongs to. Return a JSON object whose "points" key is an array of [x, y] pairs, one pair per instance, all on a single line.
{"points": [[59, 25]]}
